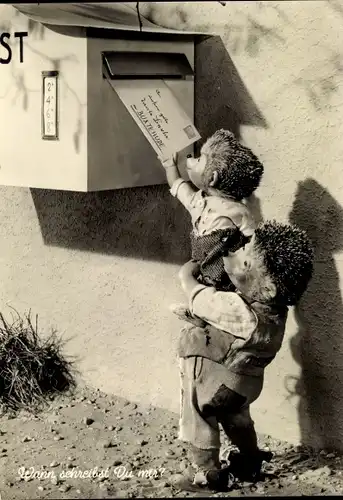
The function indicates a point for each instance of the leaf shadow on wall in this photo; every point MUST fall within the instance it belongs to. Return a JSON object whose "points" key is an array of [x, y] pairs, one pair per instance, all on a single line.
{"points": [[318, 344], [221, 97], [18, 86]]}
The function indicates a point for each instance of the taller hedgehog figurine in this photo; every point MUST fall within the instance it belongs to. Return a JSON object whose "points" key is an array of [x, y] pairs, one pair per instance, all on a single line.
{"points": [[225, 174], [222, 365]]}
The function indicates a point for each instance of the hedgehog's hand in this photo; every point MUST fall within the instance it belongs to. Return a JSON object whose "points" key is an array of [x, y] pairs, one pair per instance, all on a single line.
{"points": [[183, 313]]}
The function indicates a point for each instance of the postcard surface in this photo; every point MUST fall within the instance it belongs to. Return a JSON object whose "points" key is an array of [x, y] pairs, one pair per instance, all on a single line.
{"points": [[158, 114]]}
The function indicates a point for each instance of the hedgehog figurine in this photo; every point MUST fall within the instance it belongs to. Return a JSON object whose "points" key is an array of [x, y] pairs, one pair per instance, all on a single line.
{"points": [[223, 365], [224, 175], [288, 257]]}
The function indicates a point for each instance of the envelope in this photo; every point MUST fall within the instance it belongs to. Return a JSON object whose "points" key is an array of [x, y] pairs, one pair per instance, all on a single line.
{"points": [[158, 114]]}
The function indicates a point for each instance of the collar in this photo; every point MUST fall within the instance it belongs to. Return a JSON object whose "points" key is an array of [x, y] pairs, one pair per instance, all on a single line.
{"points": [[220, 194], [266, 305]]}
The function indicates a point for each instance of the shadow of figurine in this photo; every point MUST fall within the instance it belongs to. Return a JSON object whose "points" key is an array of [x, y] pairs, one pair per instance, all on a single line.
{"points": [[254, 205], [318, 344]]}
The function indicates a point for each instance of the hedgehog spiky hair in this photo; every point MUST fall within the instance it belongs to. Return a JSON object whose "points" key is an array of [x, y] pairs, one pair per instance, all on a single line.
{"points": [[288, 256], [239, 170]]}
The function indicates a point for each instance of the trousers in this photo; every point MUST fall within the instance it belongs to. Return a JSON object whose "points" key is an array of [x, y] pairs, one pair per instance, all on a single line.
{"points": [[212, 395]]}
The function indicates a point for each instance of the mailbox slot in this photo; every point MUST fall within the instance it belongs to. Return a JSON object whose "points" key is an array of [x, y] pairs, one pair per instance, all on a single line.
{"points": [[145, 65]]}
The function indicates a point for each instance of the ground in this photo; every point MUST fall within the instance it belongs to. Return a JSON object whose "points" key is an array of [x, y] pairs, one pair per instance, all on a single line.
{"points": [[120, 443]]}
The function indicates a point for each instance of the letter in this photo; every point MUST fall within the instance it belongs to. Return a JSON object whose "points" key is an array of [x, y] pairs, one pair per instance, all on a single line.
{"points": [[149, 473], [21, 472], [27, 473], [120, 471], [154, 102], [152, 473], [164, 117], [143, 473], [7, 47], [20, 35], [104, 473]]}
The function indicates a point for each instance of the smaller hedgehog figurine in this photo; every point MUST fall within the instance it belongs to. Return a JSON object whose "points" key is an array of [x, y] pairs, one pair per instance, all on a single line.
{"points": [[225, 173]]}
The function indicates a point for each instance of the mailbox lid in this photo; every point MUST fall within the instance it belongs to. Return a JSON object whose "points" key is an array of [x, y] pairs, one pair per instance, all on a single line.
{"points": [[146, 65]]}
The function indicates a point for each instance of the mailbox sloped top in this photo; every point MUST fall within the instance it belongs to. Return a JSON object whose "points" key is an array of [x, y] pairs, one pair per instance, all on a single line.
{"points": [[119, 16]]}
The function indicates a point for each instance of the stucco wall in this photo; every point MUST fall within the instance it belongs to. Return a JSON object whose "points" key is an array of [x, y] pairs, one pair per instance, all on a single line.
{"points": [[102, 268]]}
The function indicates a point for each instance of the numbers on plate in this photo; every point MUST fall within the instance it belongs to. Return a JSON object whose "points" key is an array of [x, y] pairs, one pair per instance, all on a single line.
{"points": [[49, 106]]}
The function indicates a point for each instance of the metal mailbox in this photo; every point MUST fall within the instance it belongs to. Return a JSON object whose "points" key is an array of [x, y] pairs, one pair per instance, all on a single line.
{"points": [[63, 126]]}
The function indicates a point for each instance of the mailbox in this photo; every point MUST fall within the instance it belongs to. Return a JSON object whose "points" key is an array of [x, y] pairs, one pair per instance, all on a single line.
{"points": [[85, 140]]}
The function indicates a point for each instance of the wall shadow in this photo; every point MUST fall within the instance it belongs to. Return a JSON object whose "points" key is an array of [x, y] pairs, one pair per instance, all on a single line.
{"points": [[144, 223], [318, 344], [221, 97], [254, 205]]}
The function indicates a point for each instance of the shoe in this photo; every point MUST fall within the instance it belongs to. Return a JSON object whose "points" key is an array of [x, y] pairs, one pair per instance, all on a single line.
{"points": [[247, 467], [213, 480]]}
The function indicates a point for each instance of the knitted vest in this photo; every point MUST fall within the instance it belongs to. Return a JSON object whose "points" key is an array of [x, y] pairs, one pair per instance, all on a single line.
{"points": [[251, 356], [246, 357], [208, 251]]}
